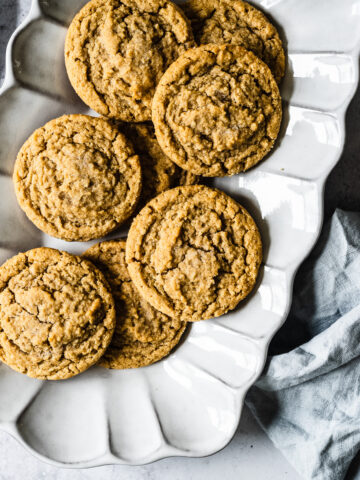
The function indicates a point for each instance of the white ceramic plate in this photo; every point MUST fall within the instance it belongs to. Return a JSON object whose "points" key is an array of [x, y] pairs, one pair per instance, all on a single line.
{"points": [[190, 403]]}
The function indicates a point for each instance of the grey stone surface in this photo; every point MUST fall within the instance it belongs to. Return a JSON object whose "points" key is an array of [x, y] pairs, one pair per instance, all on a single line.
{"points": [[12, 12]]}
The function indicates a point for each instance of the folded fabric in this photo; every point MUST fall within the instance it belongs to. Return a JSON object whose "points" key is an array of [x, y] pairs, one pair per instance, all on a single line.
{"points": [[308, 400]]}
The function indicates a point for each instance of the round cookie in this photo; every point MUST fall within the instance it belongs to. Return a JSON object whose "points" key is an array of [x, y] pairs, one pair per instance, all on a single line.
{"points": [[77, 178], [159, 172], [193, 253], [239, 23], [117, 50], [217, 110], [143, 335], [57, 315]]}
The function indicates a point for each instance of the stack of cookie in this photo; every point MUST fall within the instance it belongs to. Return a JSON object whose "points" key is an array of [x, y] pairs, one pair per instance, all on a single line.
{"points": [[192, 252]]}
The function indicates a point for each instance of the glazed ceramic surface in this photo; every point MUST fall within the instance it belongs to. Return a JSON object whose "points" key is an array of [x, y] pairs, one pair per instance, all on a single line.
{"points": [[189, 404]]}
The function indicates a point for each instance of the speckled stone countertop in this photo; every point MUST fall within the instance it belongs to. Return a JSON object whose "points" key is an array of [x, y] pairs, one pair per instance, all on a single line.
{"points": [[250, 455]]}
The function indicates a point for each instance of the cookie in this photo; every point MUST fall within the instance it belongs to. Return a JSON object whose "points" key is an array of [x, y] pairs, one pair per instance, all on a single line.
{"points": [[57, 315], [117, 50], [159, 172], [193, 253], [77, 178], [217, 110], [143, 335], [237, 22]]}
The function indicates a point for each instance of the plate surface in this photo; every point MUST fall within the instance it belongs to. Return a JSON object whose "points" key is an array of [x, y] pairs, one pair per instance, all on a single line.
{"points": [[188, 404]]}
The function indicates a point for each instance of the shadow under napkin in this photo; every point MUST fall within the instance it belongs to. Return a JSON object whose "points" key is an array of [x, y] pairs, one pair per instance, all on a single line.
{"points": [[322, 291], [308, 400], [302, 323]]}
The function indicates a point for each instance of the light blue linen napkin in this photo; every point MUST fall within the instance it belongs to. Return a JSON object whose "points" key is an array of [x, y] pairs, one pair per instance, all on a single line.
{"points": [[308, 400]]}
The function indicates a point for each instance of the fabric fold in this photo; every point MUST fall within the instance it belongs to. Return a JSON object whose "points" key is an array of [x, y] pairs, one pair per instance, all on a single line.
{"points": [[308, 399]]}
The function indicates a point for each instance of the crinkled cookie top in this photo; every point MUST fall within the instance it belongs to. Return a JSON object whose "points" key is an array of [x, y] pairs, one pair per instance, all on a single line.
{"points": [[77, 178], [217, 110], [142, 335], [117, 50], [158, 171], [57, 314], [193, 253], [237, 22]]}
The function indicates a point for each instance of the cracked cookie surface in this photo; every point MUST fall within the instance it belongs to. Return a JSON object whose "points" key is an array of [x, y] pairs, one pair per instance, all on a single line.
{"points": [[193, 253], [57, 315], [237, 22], [142, 335], [158, 171], [77, 178], [217, 110], [117, 50]]}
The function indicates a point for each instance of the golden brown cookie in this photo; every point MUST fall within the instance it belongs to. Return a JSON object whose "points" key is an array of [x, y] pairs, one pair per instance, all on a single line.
{"points": [[193, 253], [159, 172], [77, 178], [143, 335], [117, 50], [217, 110], [237, 22], [57, 315]]}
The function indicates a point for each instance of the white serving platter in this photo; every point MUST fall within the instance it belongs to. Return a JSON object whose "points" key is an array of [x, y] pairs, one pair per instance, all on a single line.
{"points": [[189, 404]]}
